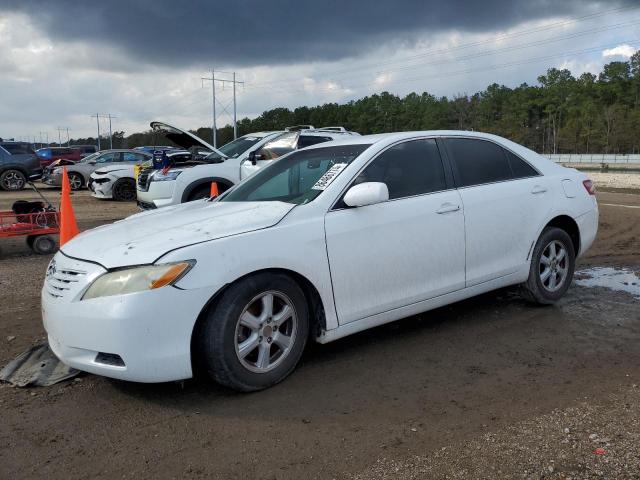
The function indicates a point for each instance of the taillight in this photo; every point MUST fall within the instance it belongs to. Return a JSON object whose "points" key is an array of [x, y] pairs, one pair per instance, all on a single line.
{"points": [[590, 187]]}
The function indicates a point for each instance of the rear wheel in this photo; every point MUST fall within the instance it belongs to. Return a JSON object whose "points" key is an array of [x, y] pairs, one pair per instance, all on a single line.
{"points": [[76, 181], [552, 266], [254, 336], [12, 180], [124, 190]]}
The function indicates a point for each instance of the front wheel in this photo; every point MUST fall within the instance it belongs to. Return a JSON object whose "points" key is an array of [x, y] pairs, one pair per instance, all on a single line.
{"points": [[124, 190], [552, 266], [12, 180], [254, 336], [75, 181]]}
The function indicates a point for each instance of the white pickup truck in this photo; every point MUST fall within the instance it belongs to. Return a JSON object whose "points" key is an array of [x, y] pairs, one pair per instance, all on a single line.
{"points": [[228, 165]]}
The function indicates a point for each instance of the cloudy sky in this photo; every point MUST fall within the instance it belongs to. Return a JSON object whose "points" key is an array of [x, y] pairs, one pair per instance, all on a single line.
{"points": [[141, 60]]}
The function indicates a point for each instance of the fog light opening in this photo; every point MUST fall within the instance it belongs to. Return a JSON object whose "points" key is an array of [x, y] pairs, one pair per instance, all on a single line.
{"points": [[109, 359]]}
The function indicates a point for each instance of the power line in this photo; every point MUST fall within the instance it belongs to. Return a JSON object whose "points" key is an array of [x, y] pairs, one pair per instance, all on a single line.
{"points": [[223, 81], [98, 116]]}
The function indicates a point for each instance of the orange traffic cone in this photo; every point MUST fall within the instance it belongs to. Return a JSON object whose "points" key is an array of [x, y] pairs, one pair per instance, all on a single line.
{"points": [[68, 225], [214, 190]]}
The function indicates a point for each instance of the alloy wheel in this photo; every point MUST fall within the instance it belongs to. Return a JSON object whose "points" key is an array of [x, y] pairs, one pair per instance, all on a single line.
{"points": [[554, 266], [266, 331], [13, 180]]}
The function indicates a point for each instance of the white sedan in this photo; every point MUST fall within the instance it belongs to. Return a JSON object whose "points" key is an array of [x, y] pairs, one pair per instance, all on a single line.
{"points": [[115, 182], [326, 242]]}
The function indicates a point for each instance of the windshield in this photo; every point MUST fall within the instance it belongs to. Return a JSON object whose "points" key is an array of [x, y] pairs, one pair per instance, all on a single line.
{"points": [[237, 147], [296, 178], [88, 158]]}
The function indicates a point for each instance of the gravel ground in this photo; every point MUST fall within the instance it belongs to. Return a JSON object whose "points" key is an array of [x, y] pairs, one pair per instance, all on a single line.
{"points": [[592, 440], [621, 181]]}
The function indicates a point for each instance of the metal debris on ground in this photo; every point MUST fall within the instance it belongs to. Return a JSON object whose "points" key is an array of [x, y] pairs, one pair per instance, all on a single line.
{"points": [[37, 367]]}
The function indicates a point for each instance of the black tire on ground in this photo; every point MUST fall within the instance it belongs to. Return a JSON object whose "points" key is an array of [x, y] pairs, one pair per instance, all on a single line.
{"points": [[204, 191], [200, 193], [76, 181], [534, 288], [42, 244], [216, 337], [12, 180], [124, 190]]}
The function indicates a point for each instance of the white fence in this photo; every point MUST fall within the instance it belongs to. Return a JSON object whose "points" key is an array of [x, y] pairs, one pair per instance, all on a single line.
{"points": [[594, 158]]}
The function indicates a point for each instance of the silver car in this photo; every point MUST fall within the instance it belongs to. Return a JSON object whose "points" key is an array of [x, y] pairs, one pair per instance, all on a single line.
{"points": [[80, 172]]}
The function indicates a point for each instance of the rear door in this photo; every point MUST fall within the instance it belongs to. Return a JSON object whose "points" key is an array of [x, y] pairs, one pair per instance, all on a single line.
{"points": [[405, 250], [505, 200]]}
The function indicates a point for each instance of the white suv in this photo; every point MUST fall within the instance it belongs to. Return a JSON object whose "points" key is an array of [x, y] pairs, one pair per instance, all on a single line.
{"points": [[226, 166]]}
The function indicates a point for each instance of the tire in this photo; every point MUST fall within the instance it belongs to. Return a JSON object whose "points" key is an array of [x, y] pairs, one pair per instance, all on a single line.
{"points": [[551, 270], [12, 180], [268, 356], [199, 193], [124, 190], [76, 181], [42, 244], [204, 191]]}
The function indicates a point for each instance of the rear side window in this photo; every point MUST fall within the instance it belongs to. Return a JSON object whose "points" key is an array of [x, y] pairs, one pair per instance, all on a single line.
{"points": [[308, 140], [519, 167], [409, 168], [478, 161], [17, 148]]}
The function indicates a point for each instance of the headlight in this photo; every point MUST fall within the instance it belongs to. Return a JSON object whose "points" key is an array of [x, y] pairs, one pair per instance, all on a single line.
{"points": [[163, 177], [56, 170], [137, 279]]}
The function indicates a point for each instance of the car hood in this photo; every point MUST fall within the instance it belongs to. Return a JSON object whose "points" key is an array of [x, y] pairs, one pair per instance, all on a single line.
{"points": [[182, 137], [145, 237], [114, 168]]}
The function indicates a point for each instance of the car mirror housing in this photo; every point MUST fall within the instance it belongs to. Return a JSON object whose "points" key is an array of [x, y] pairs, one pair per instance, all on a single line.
{"points": [[368, 193]]}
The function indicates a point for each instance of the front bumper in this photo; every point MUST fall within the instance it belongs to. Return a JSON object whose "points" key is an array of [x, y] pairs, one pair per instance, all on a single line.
{"points": [[150, 331], [102, 187], [159, 194], [52, 179]]}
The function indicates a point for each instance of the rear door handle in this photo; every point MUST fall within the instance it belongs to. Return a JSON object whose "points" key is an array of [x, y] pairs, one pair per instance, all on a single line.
{"points": [[538, 189], [448, 207]]}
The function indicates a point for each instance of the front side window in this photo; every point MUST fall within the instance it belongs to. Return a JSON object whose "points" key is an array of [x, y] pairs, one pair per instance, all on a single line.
{"points": [[281, 145], [296, 178], [409, 168], [109, 157], [308, 140], [478, 161]]}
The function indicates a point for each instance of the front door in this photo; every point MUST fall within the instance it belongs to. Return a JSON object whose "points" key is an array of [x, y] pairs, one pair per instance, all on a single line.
{"points": [[408, 249]]}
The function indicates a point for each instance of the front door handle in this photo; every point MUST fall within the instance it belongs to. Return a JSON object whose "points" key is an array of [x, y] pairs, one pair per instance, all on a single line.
{"points": [[448, 207], [538, 189]]}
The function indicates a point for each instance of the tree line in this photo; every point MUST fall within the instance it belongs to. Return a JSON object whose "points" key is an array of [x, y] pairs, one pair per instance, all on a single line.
{"points": [[560, 114]]}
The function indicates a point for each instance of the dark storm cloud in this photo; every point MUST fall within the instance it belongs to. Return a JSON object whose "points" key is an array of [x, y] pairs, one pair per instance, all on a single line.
{"points": [[253, 32]]}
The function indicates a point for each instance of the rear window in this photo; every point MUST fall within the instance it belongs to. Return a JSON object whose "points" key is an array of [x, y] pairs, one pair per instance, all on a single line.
{"points": [[18, 148], [478, 161]]}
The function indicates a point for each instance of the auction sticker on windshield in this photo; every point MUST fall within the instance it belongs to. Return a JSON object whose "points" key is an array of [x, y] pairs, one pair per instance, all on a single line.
{"points": [[329, 176]]}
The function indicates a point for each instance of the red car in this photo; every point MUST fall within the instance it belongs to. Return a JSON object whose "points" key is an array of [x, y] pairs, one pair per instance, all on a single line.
{"points": [[51, 154]]}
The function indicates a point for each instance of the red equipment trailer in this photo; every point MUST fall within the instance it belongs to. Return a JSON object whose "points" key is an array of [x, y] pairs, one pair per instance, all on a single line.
{"points": [[35, 220]]}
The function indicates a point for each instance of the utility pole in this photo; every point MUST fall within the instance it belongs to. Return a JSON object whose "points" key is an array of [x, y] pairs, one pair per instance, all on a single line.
{"points": [[67, 129], [213, 81], [59, 139], [98, 116]]}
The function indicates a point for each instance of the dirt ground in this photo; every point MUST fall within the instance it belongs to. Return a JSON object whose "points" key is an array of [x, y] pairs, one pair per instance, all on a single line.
{"points": [[486, 388]]}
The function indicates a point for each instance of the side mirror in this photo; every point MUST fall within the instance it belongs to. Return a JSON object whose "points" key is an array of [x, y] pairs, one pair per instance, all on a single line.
{"points": [[368, 193], [254, 157]]}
